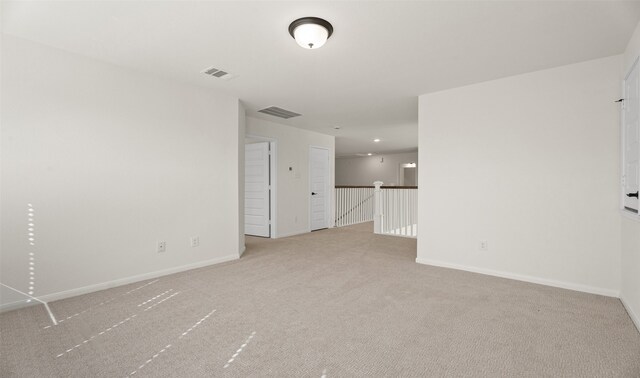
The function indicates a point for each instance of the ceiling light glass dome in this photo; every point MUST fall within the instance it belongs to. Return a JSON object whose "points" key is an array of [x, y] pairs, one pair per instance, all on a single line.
{"points": [[310, 32]]}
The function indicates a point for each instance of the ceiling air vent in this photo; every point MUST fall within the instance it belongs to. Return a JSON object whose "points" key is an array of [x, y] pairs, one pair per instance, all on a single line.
{"points": [[279, 112], [216, 72]]}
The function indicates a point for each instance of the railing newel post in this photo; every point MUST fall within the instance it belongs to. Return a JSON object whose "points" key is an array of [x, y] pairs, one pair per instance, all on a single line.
{"points": [[377, 211]]}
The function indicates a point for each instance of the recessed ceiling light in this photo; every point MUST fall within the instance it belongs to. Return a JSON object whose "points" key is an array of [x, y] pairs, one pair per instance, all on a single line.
{"points": [[376, 140], [369, 154], [310, 32]]}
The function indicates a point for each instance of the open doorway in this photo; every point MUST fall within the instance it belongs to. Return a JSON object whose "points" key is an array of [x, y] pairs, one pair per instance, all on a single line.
{"points": [[409, 174]]}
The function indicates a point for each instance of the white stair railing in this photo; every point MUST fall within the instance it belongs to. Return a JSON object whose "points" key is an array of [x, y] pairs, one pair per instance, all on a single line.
{"points": [[354, 204], [396, 210]]}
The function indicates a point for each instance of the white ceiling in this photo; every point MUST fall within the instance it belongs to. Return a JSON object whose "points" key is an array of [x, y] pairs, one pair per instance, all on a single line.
{"points": [[367, 77]]}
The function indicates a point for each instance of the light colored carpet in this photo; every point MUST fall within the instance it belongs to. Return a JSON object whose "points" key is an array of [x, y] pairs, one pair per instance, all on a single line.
{"points": [[340, 302]]}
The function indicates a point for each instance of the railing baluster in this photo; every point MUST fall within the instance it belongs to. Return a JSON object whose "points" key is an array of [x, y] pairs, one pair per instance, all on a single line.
{"points": [[358, 200], [394, 209], [406, 214], [353, 205], [338, 207], [398, 213], [353, 201]]}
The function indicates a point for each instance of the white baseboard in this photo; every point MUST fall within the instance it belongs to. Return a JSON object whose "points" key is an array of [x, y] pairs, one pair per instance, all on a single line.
{"points": [[634, 316], [16, 305], [121, 281], [524, 278]]}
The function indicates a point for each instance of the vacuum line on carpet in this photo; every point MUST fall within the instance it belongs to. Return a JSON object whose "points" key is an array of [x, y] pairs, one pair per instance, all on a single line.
{"points": [[140, 287], [240, 350], [151, 359], [111, 300], [94, 336], [195, 325], [81, 312], [154, 298], [169, 345], [155, 304], [114, 326]]}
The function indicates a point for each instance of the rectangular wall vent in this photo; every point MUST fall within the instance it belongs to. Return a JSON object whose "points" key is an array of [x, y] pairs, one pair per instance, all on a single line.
{"points": [[279, 112], [216, 72]]}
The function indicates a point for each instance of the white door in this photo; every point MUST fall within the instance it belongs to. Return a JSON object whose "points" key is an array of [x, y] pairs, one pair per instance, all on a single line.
{"points": [[631, 148], [256, 189], [319, 184]]}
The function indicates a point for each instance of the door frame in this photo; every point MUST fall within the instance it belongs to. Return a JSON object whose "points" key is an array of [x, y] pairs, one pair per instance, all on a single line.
{"points": [[623, 210], [329, 204], [273, 176]]}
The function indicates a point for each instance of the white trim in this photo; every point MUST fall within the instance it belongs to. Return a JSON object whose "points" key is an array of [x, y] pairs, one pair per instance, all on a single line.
{"points": [[140, 277], [524, 278], [273, 148], [634, 317], [119, 282], [244, 248], [623, 142], [266, 139], [46, 306], [16, 305], [630, 215]]}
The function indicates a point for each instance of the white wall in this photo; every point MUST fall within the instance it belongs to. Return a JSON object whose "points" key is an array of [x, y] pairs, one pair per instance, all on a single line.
{"points": [[630, 287], [293, 193], [112, 161], [530, 164], [363, 171]]}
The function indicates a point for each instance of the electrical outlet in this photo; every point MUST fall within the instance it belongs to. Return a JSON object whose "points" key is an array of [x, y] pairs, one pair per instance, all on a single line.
{"points": [[161, 247], [195, 241], [484, 245]]}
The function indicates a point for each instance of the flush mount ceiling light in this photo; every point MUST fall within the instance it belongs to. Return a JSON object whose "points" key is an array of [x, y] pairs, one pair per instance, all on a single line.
{"points": [[376, 140], [310, 32]]}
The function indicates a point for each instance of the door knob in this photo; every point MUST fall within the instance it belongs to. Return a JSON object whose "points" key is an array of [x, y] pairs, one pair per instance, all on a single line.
{"points": [[313, 193], [632, 194]]}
